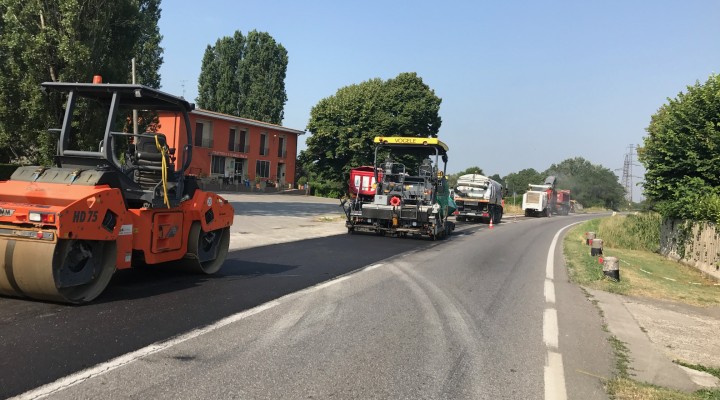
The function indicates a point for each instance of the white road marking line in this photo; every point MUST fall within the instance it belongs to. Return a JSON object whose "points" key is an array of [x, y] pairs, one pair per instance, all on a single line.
{"points": [[555, 377], [554, 370], [647, 272], [670, 279], [371, 267], [549, 291], [550, 328], [325, 284], [550, 264]]}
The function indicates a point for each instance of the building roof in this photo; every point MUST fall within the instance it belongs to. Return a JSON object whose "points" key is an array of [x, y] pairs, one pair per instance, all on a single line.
{"points": [[245, 121]]}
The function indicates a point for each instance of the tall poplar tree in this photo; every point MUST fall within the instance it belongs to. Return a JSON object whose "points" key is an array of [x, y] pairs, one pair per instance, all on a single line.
{"points": [[244, 76], [69, 41]]}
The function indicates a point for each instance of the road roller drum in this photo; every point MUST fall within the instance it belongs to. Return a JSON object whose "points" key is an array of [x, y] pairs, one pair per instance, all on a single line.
{"points": [[73, 271]]}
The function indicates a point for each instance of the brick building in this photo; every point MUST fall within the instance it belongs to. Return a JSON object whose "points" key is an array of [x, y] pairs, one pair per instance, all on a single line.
{"points": [[234, 148]]}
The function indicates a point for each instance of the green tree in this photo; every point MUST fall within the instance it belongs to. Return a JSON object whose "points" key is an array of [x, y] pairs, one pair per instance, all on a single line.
{"points": [[343, 126], [147, 50], [66, 40], [498, 179], [518, 181], [589, 184], [244, 76], [681, 154]]}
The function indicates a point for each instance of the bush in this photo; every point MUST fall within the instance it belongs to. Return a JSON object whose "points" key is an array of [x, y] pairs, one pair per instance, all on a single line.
{"points": [[634, 232], [681, 155], [327, 189], [302, 181]]}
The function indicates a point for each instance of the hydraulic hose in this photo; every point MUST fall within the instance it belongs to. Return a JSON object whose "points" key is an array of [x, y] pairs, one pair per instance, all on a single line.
{"points": [[163, 156]]}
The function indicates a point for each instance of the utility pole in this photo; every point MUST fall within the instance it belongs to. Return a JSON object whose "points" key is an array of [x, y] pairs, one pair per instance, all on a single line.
{"points": [[135, 111]]}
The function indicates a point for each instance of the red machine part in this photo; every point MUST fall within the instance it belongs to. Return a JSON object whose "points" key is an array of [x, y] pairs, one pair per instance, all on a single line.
{"points": [[362, 181]]}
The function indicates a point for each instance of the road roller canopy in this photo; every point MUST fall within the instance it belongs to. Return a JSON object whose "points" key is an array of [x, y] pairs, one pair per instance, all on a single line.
{"points": [[136, 96], [418, 147], [432, 144], [98, 118]]}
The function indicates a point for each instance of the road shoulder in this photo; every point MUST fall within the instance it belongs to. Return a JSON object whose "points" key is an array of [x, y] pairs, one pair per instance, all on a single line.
{"points": [[656, 335]]}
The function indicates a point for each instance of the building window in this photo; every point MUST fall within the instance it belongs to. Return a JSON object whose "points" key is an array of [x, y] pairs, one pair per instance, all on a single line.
{"points": [[282, 150], [198, 134], [243, 143], [203, 134], [262, 169], [264, 144], [232, 140], [218, 165]]}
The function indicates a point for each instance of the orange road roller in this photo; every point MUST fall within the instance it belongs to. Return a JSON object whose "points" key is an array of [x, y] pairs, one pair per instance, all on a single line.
{"points": [[112, 200]]}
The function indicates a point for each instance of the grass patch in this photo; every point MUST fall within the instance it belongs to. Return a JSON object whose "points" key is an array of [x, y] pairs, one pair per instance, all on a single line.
{"points": [[511, 209], [632, 232], [628, 389], [642, 272], [622, 357], [712, 371], [622, 387]]}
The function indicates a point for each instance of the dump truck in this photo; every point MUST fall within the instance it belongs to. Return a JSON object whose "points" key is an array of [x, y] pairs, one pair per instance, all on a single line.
{"points": [[120, 203], [562, 203], [478, 198], [404, 202]]}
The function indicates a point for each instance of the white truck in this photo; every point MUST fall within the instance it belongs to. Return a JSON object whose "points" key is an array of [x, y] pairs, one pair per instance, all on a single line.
{"points": [[536, 202], [478, 198]]}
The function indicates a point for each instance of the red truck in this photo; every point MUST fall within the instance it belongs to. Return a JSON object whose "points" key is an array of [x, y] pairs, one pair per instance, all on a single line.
{"points": [[562, 203]]}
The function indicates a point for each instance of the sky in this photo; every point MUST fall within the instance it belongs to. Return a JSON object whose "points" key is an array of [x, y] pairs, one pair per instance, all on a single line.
{"points": [[524, 84]]}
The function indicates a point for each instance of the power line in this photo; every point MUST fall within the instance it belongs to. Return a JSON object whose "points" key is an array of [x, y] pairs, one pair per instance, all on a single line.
{"points": [[627, 177]]}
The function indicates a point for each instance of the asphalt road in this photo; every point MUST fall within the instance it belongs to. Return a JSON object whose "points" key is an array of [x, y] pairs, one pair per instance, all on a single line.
{"points": [[459, 318]]}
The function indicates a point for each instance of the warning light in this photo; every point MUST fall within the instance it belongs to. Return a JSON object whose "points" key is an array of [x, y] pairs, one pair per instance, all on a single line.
{"points": [[45, 218]]}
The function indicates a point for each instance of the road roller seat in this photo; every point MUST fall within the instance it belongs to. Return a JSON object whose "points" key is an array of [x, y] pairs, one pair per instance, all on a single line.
{"points": [[148, 161]]}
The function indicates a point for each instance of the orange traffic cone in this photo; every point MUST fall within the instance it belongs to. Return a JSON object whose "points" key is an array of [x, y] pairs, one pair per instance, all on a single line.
{"points": [[491, 224]]}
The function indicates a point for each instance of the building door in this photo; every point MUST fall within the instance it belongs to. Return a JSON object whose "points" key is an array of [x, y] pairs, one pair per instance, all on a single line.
{"points": [[281, 174], [229, 170], [240, 169]]}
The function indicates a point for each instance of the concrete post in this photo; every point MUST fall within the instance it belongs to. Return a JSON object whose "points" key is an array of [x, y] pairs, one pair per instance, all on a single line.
{"points": [[589, 236], [596, 247], [611, 268]]}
